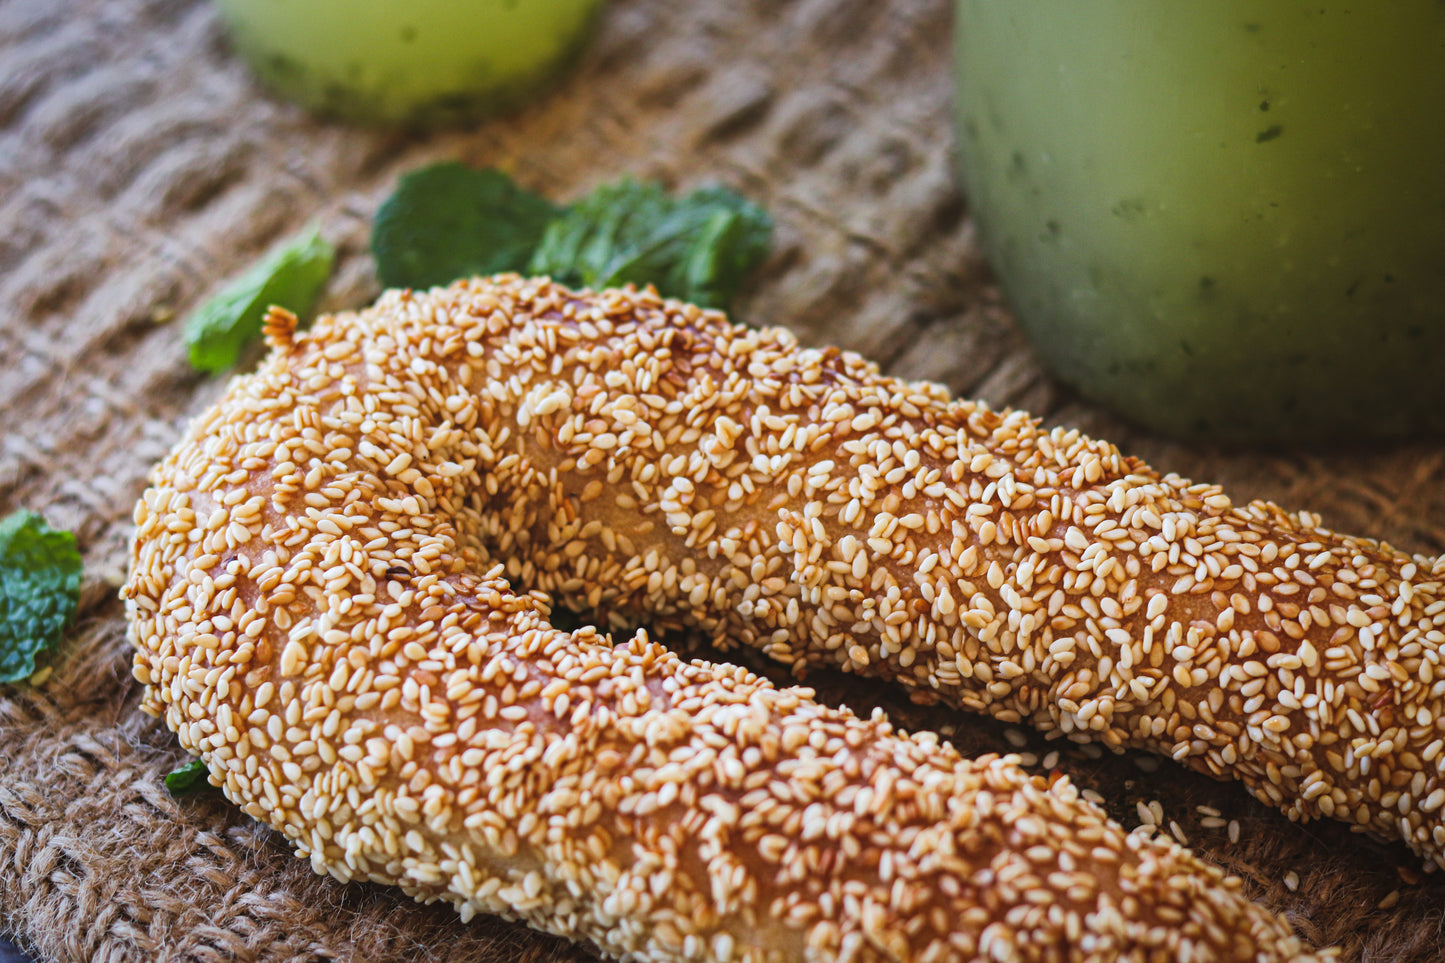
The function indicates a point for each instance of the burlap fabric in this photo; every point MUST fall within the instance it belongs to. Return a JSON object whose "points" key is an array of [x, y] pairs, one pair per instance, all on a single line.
{"points": [[139, 168]]}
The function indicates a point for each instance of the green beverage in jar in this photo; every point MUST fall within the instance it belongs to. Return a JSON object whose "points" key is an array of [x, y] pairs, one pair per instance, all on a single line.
{"points": [[411, 62], [1219, 218]]}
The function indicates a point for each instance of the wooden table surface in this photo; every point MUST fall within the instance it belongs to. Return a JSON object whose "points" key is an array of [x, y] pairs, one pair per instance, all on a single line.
{"points": [[140, 168]]}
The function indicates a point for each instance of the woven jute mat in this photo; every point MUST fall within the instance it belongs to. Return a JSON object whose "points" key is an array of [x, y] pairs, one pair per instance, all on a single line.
{"points": [[140, 168]]}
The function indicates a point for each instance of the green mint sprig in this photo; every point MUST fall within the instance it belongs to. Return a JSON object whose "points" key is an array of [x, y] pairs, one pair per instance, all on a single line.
{"points": [[449, 221], [289, 276], [39, 591]]}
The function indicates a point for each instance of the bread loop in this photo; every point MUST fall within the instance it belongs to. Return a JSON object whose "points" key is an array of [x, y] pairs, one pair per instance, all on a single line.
{"points": [[322, 604]]}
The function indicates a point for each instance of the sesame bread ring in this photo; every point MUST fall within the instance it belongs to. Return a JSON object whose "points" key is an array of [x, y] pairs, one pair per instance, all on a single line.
{"points": [[315, 616]]}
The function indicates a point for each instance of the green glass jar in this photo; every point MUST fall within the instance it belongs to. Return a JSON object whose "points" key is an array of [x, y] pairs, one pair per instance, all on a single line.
{"points": [[411, 62], [1219, 218]]}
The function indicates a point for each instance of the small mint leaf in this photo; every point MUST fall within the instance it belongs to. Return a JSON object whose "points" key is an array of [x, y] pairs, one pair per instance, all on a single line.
{"points": [[190, 778], [698, 248], [39, 591], [291, 276], [450, 221]]}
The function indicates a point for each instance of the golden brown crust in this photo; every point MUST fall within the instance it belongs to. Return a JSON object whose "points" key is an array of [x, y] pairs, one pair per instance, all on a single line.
{"points": [[313, 614]]}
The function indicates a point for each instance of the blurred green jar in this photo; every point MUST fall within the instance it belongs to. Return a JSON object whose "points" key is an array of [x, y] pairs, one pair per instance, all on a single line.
{"points": [[1220, 218], [413, 62]]}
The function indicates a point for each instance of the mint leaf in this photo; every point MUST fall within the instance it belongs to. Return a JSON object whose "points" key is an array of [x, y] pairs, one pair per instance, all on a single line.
{"points": [[586, 244], [290, 276], [188, 779], [698, 248], [448, 221], [39, 590]]}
